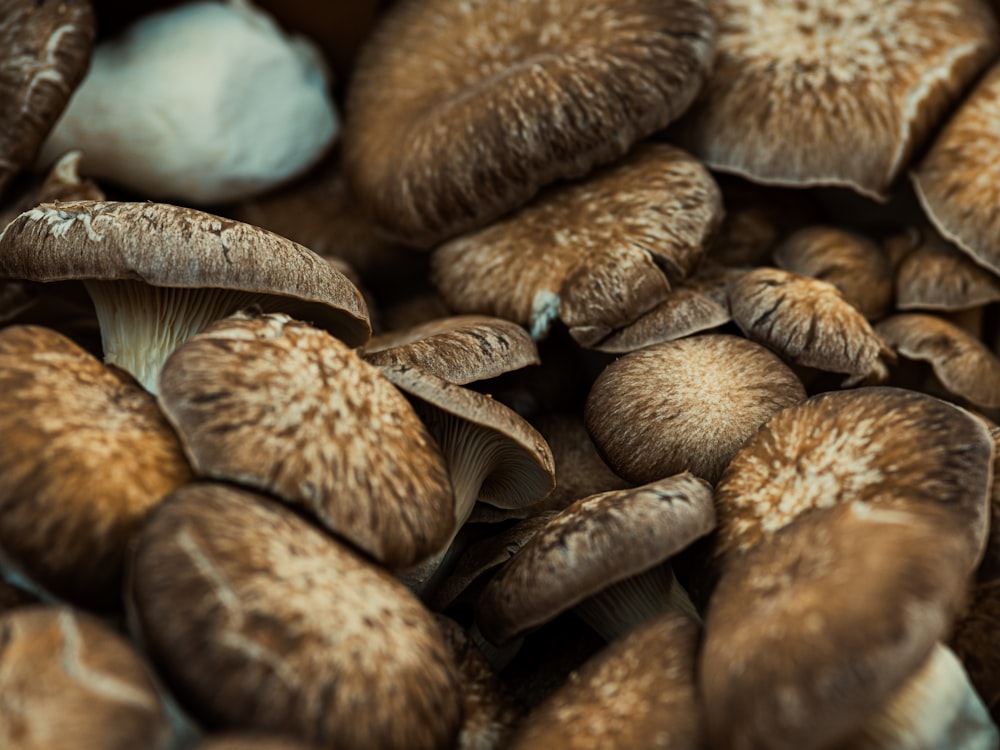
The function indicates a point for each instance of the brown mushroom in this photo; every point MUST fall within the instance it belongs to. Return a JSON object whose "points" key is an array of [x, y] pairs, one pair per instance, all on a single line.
{"points": [[974, 640], [244, 741]]}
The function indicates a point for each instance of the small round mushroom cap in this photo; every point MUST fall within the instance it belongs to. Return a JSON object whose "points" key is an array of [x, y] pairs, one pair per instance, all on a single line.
{"points": [[279, 406], [282, 629], [812, 632], [86, 454], [69, 681], [961, 362], [957, 180], [460, 112], [595, 254], [595, 542], [686, 405], [853, 263], [46, 47], [809, 93], [935, 275], [158, 274], [808, 322]]}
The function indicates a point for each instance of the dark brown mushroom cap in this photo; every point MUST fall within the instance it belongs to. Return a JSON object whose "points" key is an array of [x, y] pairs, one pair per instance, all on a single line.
{"points": [[277, 405], [244, 741], [596, 253], [282, 629], [62, 183], [686, 405], [884, 446], [70, 681], [86, 454], [812, 632], [956, 181], [808, 322], [853, 263], [460, 112], [461, 348], [173, 246], [46, 47], [809, 93], [974, 641], [595, 542], [961, 362], [935, 275]]}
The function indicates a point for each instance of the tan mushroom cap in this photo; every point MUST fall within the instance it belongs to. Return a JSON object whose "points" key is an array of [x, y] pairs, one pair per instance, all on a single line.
{"points": [[853, 263], [68, 680], [499, 101], [812, 93], [935, 275], [812, 632], [282, 629], [46, 47], [961, 362], [808, 322], [686, 405], [86, 454], [279, 406], [595, 542], [596, 254], [956, 181]]}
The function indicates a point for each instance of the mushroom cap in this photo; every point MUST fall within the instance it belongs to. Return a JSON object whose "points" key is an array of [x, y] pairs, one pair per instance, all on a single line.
{"points": [[809, 93], [816, 629], [460, 112], [283, 629], [686, 405], [596, 541], [244, 741], [974, 640], [279, 406], [172, 246], [935, 275], [596, 253]]}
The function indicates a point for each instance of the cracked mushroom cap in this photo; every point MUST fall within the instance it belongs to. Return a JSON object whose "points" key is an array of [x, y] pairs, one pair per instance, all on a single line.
{"points": [[596, 254], [935, 275], [833, 94], [460, 112], [46, 47], [808, 322], [68, 680], [283, 629], [686, 405], [279, 406], [158, 274], [86, 454], [811, 633]]}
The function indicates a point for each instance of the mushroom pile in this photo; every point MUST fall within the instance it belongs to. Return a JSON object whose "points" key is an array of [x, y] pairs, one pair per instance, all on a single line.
{"points": [[432, 374]]}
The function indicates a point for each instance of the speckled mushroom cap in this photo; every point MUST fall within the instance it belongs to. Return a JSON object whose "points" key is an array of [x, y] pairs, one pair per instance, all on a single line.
{"points": [[884, 446], [460, 112], [956, 181], [935, 275], [686, 405], [638, 692], [595, 542], [962, 363], [46, 47], [261, 621], [460, 348], [595, 254], [68, 680], [808, 322], [86, 454], [279, 406], [836, 94], [812, 632]]}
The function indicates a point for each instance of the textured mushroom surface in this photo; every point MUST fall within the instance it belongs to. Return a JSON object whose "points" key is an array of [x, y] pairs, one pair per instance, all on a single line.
{"points": [[596, 254], [686, 405], [62, 183], [86, 454], [935, 275], [69, 681], [836, 94], [459, 112], [283, 629], [270, 403]]}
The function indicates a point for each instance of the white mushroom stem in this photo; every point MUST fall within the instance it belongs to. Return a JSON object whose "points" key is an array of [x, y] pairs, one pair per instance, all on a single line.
{"points": [[141, 325], [618, 608]]}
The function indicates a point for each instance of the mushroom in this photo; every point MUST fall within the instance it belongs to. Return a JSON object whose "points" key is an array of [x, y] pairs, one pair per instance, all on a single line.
{"points": [[974, 640], [254, 741], [158, 274], [460, 112]]}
